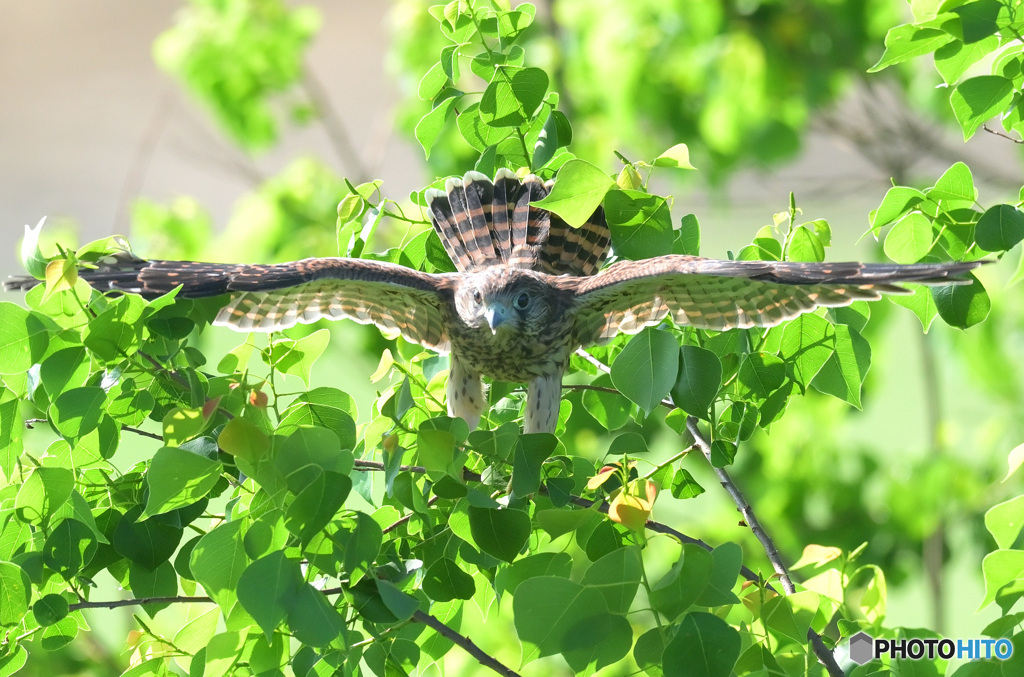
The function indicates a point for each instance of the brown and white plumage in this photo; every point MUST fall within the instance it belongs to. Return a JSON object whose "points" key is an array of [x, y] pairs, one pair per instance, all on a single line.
{"points": [[528, 292]]}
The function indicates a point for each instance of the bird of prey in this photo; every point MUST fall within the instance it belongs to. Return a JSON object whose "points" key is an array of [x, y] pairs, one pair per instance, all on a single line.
{"points": [[529, 291]]}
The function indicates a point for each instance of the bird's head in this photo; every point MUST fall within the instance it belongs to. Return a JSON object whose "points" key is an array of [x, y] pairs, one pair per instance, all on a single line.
{"points": [[504, 300]]}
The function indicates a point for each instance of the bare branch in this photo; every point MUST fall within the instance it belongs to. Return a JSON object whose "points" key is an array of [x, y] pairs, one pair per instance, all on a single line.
{"points": [[1001, 134], [467, 645]]}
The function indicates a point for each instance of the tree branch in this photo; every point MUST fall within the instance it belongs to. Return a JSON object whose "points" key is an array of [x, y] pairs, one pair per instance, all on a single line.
{"points": [[467, 645], [440, 628], [821, 651]]}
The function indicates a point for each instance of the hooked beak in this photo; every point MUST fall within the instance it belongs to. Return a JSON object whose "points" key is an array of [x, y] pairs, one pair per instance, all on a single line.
{"points": [[496, 315]]}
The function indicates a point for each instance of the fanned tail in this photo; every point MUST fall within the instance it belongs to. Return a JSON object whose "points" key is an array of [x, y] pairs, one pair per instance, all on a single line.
{"points": [[483, 223]]}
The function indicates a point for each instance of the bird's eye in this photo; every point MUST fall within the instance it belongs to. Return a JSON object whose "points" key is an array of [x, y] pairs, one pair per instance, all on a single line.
{"points": [[477, 297], [522, 301]]}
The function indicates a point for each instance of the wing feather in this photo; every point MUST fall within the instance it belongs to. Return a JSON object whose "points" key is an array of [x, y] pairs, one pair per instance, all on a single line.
{"points": [[274, 297], [720, 295]]}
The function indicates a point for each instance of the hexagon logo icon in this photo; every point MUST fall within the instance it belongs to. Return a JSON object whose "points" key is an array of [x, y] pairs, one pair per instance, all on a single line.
{"points": [[862, 648]]}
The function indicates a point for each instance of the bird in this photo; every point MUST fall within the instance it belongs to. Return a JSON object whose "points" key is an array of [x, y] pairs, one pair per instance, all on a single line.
{"points": [[527, 292]]}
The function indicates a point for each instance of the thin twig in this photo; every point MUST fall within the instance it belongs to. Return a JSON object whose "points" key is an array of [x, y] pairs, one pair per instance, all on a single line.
{"points": [[821, 651], [1001, 134], [29, 422], [770, 549], [142, 601], [465, 642], [405, 518]]}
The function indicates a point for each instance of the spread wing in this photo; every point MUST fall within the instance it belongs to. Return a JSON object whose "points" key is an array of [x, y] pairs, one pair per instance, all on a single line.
{"points": [[275, 297], [720, 295]]}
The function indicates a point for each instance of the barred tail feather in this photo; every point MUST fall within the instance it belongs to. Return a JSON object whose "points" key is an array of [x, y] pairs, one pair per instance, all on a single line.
{"points": [[484, 223]]}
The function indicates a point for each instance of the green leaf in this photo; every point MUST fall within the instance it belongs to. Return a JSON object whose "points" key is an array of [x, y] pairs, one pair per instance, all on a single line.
{"points": [[956, 183], [323, 407], [578, 192], [49, 610], [611, 410], [316, 504], [501, 533], [362, 547], [962, 305], [999, 568], [704, 646], [266, 590], [432, 82], [177, 478], [641, 224], [159, 582], [77, 412], [511, 24], [64, 369], [69, 548], [678, 157], [15, 593], [1000, 228], [182, 424], [296, 357], [555, 134], [807, 343], [898, 201], [436, 451], [148, 543], [445, 581], [1014, 460], [680, 588], [478, 134], [698, 380], [12, 432], [978, 99], [844, 372], [910, 239], [43, 492], [217, 562], [531, 566], [921, 303], [400, 604], [1004, 521], [241, 438], [530, 453], [685, 486], [953, 59], [760, 375], [804, 245], [556, 615], [222, 652], [908, 41], [646, 369], [979, 19], [513, 96], [726, 561], [430, 126], [687, 240], [617, 577]]}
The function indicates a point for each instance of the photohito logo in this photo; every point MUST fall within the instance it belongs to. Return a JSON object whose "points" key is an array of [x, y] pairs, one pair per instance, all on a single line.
{"points": [[863, 648]]}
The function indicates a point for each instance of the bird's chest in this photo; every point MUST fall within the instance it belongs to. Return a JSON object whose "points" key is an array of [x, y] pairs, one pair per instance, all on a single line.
{"points": [[511, 355]]}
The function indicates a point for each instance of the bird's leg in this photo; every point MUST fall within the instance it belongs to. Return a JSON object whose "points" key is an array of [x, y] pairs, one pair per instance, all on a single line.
{"points": [[542, 401], [465, 394]]}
